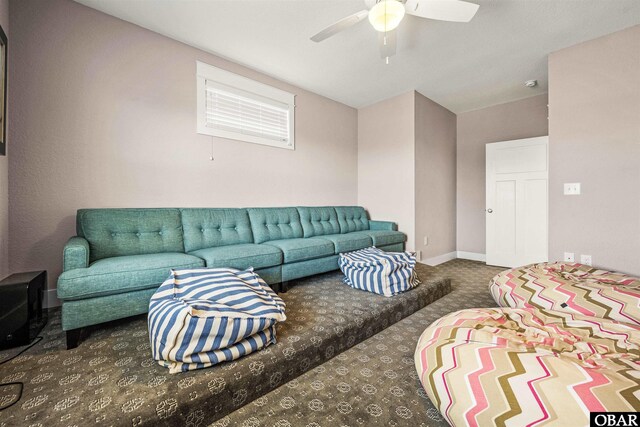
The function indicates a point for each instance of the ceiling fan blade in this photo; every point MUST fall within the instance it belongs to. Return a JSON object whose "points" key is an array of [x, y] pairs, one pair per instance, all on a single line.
{"points": [[387, 43], [342, 24], [442, 10]]}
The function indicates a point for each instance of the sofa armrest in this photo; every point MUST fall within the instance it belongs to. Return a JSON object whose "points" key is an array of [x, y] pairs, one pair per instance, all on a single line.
{"points": [[75, 254], [383, 225]]}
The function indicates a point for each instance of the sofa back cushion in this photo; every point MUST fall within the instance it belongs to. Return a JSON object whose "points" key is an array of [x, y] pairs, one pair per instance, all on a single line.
{"points": [[118, 232], [319, 221], [275, 224], [352, 218], [208, 228]]}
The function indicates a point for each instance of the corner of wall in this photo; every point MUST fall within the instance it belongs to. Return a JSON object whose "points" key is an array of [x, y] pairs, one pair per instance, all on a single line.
{"points": [[524, 118], [4, 169]]}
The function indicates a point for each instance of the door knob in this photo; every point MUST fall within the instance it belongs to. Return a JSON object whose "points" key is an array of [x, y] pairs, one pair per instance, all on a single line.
{"points": [[490, 210]]}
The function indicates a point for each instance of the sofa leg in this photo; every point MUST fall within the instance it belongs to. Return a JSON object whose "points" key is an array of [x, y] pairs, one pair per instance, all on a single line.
{"points": [[73, 338], [284, 287]]}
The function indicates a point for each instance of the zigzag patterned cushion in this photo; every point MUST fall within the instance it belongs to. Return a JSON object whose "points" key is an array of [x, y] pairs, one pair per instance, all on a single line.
{"points": [[380, 272], [492, 366], [572, 288], [201, 317]]}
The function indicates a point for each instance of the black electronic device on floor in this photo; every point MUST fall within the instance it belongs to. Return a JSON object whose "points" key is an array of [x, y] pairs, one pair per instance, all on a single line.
{"points": [[21, 313]]}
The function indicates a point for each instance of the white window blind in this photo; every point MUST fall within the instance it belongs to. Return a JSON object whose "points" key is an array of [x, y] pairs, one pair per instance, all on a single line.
{"points": [[235, 107], [234, 110]]}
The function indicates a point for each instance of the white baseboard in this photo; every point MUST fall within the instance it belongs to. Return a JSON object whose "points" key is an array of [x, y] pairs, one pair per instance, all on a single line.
{"points": [[51, 299], [440, 259], [473, 256]]}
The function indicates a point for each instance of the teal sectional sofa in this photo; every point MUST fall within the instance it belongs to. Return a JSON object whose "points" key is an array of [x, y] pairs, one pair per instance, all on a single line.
{"points": [[120, 256]]}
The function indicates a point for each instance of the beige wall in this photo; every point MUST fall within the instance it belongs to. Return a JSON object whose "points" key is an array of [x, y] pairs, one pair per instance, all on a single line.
{"points": [[4, 167], [104, 116], [435, 179], [386, 176], [406, 169], [526, 118], [594, 94]]}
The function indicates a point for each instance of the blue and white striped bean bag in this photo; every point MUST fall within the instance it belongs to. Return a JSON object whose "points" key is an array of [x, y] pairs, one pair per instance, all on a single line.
{"points": [[201, 317], [380, 272]]}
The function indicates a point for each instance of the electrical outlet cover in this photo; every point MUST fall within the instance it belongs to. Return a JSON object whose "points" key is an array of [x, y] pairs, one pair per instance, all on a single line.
{"points": [[572, 189], [585, 259], [569, 257]]}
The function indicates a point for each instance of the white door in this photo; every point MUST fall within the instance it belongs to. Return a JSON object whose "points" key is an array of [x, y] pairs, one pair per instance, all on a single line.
{"points": [[517, 202]]}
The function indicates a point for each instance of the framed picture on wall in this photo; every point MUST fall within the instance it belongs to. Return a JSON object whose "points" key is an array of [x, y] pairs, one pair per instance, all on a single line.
{"points": [[3, 94]]}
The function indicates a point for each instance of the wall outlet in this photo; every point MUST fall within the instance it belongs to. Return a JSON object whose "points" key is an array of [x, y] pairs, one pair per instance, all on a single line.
{"points": [[426, 240], [419, 255], [572, 189], [569, 257], [585, 259]]}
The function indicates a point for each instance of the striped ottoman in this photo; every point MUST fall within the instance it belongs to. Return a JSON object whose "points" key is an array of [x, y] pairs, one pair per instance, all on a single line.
{"points": [[380, 272], [572, 288], [201, 317], [524, 367]]}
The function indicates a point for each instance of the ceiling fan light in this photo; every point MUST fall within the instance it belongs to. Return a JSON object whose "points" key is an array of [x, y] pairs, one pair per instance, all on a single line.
{"points": [[386, 15]]}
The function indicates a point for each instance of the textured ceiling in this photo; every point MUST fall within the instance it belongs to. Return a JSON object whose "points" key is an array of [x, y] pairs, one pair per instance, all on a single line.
{"points": [[461, 66]]}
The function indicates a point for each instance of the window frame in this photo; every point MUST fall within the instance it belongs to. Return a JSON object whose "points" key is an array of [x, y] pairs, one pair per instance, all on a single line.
{"points": [[222, 77]]}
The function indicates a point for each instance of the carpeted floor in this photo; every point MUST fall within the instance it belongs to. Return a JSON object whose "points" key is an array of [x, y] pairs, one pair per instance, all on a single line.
{"points": [[110, 378], [375, 382]]}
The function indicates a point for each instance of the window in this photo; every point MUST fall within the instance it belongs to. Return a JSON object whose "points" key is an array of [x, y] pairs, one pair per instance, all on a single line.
{"points": [[235, 107]]}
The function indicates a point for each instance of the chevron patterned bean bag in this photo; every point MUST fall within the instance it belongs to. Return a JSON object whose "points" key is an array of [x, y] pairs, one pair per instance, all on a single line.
{"points": [[201, 317], [572, 288], [526, 367], [380, 272]]}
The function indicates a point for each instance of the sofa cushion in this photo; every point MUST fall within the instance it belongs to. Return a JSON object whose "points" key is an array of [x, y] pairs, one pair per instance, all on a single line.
{"points": [[318, 221], [352, 218], [349, 242], [119, 232], [303, 249], [122, 274], [275, 224], [383, 238], [241, 256], [208, 228]]}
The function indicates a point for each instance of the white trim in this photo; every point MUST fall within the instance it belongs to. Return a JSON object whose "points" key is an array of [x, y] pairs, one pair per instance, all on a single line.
{"points": [[50, 299], [473, 256], [206, 72], [436, 260]]}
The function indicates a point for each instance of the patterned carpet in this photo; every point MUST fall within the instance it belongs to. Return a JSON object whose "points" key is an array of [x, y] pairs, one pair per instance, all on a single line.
{"points": [[110, 379], [375, 382]]}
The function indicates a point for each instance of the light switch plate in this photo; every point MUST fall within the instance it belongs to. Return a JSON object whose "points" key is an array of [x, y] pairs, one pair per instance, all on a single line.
{"points": [[569, 257], [572, 189], [585, 259]]}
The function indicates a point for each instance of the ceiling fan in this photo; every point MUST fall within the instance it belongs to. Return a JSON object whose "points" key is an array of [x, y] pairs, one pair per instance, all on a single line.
{"points": [[386, 15]]}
